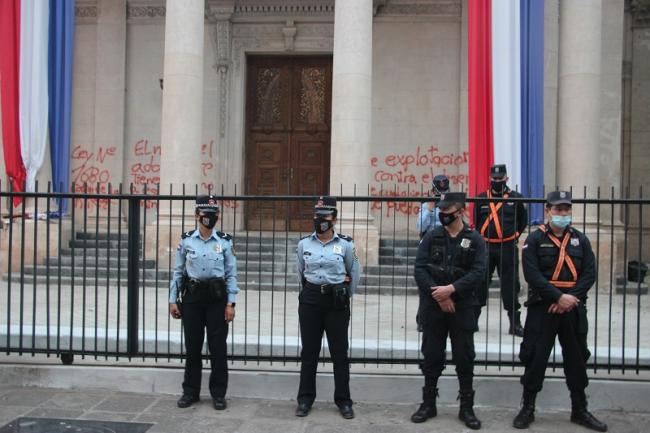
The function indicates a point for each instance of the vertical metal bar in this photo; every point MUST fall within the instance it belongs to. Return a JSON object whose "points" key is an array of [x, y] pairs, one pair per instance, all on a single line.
{"points": [[84, 263], [119, 271], [169, 271], [72, 265], [234, 234], [365, 292], [392, 282], [354, 232], [58, 272], [248, 261], [144, 205], [626, 226], [22, 274], [381, 226], [272, 274], [97, 244], [638, 286], [9, 260], [47, 267], [35, 267], [259, 291], [406, 275], [109, 246], [133, 276], [156, 270], [287, 218], [611, 284], [597, 279]]}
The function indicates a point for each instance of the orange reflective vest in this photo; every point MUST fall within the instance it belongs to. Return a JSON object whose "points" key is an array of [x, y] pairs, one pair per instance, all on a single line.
{"points": [[494, 216], [562, 259]]}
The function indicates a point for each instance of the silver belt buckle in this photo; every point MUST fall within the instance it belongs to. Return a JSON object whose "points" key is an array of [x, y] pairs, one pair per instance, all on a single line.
{"points": [[322, 289]]}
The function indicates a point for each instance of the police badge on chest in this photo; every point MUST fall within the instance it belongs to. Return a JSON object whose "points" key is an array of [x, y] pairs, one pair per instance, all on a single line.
{"points": [[465, 243]]}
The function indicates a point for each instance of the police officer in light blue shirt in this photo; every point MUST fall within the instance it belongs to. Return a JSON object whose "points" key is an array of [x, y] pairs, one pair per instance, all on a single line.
{"points": [[203, 291], [329, 271], [428, 216]]}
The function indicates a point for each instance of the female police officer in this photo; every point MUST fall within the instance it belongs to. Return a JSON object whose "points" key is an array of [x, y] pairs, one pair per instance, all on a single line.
{"points": [[203, 291], [328, 269]]}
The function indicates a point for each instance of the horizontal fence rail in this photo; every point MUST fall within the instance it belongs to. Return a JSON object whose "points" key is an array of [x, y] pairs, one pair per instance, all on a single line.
{"points": [[94, 281]]}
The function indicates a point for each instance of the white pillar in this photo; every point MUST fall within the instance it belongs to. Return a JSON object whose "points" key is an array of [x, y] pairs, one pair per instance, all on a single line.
{"points": [[578, 156], [351, 120], [351, 96], [182, 107]]}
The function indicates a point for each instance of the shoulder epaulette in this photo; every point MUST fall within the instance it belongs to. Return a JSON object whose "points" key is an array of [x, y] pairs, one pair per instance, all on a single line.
{"points": [[345, 237], [305, 237], [187, 234], [225, 236]]}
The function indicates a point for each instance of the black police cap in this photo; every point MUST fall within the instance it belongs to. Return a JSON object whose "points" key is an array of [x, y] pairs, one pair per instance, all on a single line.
{"points": [[450, 198], [325, 205], [498, 171], [207, 203], [558, 197], [440, 183]]}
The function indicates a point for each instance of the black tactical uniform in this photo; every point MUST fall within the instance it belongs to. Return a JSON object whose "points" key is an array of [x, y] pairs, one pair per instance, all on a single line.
{"points": [[554, 266], [501, 223], [443, 260]]}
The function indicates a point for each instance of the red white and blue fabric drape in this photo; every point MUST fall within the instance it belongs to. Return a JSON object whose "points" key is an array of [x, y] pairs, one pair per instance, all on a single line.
{"points": [[506, 86], [36, 40]]}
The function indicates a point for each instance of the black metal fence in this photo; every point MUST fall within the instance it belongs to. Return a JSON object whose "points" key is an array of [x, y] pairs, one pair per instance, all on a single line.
{"points": [[94, 282]]}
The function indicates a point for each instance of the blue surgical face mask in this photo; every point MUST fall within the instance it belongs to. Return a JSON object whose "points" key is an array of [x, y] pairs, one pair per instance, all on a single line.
{"points": [[561, 221]]}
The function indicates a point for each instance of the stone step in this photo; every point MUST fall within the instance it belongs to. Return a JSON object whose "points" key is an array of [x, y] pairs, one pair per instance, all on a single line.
{"points": [[103, 262], [401, 243], [102, 236], [101, 244], [398, 251]]}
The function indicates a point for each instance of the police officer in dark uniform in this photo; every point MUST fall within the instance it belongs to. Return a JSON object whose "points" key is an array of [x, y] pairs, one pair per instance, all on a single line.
{"points": [[329, 271], [428, 215], [203, 292], [449, 270], [560, 268], [501, 223]]}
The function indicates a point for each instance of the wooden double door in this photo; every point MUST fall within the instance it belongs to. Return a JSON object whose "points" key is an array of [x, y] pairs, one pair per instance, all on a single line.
{"points": [[288, 119]]}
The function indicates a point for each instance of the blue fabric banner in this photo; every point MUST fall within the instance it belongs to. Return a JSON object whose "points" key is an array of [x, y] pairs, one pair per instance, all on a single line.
{"points": [[532, 104], [60, 59]]}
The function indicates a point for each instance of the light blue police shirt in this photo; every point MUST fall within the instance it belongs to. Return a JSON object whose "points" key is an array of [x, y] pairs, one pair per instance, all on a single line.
{"points": [[427, 219], [203, 259], [328, 262]]}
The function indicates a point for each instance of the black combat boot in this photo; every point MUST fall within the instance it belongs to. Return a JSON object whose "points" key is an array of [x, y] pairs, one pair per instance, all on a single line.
{"points": [[526, 415], [580, 414], [466, 412], [515, 325], [428, 407]]}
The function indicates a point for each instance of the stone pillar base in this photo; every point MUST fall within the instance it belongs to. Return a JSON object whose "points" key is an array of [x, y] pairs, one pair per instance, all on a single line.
{"points": [[366, 237]]}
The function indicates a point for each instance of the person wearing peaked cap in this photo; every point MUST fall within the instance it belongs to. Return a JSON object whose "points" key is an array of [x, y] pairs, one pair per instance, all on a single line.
{"points": [[428, 215], [449, 270], [328, 271], [560, 268], [203, 291], [501, 223]]}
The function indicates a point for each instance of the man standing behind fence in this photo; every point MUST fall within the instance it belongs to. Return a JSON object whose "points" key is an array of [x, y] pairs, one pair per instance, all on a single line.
{"points": [[428, 216], [560, 268], [501, 223], [328, 269], [449, 270], [203, 292]]}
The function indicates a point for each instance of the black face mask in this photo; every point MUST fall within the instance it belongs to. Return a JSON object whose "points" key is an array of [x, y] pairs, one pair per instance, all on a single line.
{"points": [[209, 220], [498, 185], [321, 225], [447, 218]]}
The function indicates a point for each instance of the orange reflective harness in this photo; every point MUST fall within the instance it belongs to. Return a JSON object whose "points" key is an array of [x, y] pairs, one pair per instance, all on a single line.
{"points": [[563, 258], [494, 216]]}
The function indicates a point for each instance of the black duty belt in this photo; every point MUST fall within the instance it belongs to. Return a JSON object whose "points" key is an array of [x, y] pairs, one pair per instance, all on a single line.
{"points": [[325, 289]]}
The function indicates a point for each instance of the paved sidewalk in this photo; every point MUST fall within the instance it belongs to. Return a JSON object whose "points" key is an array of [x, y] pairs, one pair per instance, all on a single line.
{"points": [[269, 416]]}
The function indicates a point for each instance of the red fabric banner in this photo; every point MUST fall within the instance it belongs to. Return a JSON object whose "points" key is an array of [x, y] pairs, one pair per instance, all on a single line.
{"points": [[9, 70], [479, 72]]}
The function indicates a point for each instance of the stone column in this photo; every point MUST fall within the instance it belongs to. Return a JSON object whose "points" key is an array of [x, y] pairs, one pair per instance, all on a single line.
{"points": [[182, 118], [578, 159], [351, 120], [182, 107]]}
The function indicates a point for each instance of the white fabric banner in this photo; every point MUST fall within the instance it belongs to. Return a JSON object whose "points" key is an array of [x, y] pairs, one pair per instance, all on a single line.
{"points": [[506, 87], [33, 88]]}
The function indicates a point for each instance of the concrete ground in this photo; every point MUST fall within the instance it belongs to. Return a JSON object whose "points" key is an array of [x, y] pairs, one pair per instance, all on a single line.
{"points": [[268, 416]]}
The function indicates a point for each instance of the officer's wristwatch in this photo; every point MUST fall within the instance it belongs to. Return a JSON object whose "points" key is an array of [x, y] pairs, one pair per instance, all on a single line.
{"points": [[231, 304]]}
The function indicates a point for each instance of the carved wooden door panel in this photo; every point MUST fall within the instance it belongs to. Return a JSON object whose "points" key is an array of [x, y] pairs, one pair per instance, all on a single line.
{"points": [[288, 138]]}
